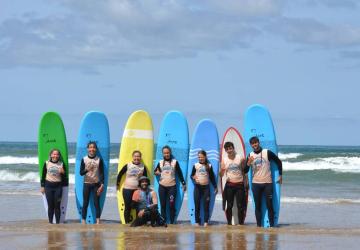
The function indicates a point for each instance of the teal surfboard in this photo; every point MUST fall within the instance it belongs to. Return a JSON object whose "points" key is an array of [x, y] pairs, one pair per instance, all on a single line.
{"points": [[174, 132], [52, 135], [94, 127], [258, 123]]}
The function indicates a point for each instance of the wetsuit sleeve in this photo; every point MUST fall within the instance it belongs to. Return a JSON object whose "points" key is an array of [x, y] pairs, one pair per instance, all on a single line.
{"points": [[64, 177], [212, 177], [157, 168], [43, 177], [145, 171], [121, 173], [83, 171], [193, 171], [179, 173], [101, 172], [246, 168], [275, 158]]}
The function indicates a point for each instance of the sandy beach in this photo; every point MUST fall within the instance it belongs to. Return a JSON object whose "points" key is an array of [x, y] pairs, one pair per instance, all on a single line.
{"points": [[303, 226]]}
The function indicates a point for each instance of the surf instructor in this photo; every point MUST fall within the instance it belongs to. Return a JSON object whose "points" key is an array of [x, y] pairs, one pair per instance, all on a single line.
{"points": [[262, 182]]}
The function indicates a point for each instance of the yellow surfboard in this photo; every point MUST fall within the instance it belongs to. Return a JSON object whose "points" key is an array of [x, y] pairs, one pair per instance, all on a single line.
{"points": [[138, 135]]}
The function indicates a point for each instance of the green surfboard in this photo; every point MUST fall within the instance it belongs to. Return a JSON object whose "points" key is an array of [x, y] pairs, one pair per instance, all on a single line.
{"points": [[52, 136]]}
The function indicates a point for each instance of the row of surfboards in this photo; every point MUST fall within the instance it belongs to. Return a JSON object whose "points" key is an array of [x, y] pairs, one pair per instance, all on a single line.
{"points": [[138, 135]]}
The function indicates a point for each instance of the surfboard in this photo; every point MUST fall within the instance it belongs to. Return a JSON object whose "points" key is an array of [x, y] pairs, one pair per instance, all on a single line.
{"points": [[94, 127], [52, 135], [174, 132], [258, 123], [233, 135], [138, 135], [206, 138]]}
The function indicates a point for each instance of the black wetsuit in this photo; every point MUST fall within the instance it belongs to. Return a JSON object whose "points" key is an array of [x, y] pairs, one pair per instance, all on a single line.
{"points": [[203, 191], [169, 193], [127, 194], [258, 189], [53, 193], [92, 187]]}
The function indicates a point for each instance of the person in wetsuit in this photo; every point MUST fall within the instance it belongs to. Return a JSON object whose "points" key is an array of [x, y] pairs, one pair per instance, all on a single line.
{"points": [[262, 182], [144, 200], [92, 168], [52, 181], [232, 167], [167, 169], [133, 171], [202, 174]]}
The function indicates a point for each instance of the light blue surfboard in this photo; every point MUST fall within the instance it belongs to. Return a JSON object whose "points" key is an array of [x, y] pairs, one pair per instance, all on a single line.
{"points": [[258, 123], [94, 127], [205, 138], [174, 132]]}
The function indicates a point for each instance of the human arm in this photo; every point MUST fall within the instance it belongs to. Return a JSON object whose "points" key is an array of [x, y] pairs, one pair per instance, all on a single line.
{"points": [[275, 158], [83, 170], [120, 174], [157, 170]]}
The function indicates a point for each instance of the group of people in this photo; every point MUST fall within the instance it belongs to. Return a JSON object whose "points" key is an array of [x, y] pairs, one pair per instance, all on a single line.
{"points": [[138, 195]]}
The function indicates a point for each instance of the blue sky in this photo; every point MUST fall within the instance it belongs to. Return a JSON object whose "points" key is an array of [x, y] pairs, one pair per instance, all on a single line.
{"points": [[208, 59]]}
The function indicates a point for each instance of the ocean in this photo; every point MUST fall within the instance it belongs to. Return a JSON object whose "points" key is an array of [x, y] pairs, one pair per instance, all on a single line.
{"points": [[319, 208], [312, 174]]}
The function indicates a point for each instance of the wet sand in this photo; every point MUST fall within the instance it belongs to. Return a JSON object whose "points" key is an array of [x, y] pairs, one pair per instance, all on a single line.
{"points": [[110, 235], [303, 226]]}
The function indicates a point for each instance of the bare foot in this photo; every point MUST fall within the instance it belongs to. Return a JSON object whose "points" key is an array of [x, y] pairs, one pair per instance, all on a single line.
{"points": [[205, 224], [196, 224], [97, 221], [83, 222]]}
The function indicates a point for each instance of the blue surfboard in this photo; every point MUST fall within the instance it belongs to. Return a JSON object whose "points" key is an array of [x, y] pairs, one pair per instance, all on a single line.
{"points": [[205, 138], [174, 132], [94, 127], [258, 123]]}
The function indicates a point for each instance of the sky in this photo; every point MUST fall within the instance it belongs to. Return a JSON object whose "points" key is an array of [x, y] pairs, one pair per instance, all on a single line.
{"points": [[206, 58]]}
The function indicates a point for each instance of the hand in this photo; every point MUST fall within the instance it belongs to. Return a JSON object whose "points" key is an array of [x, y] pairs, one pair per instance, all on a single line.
{"points": [[195, 178], [141, 213], [42, 190], [157, 172], [184, 188], [100, 190], [250, 160], [215, 191], [280, 180], [61, 171]]}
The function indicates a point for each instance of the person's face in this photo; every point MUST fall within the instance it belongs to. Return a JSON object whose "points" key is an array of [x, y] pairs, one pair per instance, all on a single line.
{"points": [[201, 158], [136, 158], [230, 151], [255, 145], [166, 154], [92, 150], [55, 155], [144, 184]]}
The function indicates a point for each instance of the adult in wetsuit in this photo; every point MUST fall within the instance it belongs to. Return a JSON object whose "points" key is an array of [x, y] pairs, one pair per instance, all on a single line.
{"points": [[167, 169], [52, 181], [133, 171], [259, 161]]}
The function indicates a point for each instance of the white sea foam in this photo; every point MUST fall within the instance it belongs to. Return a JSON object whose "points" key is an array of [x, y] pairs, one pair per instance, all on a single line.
{"points": [[10, 160], [337, 164], [8, 175], [286, 156]]}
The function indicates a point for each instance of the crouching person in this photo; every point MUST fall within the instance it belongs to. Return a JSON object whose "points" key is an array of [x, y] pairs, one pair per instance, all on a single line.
{"points": [[146, 204]]}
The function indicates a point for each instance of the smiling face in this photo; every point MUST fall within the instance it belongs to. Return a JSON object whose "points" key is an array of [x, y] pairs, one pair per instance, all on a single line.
{"points": [[136, 158], [55, 156], [255, 145], [144, 184], [202, 158], [92, 150], [230, 151], [166, 153]]}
